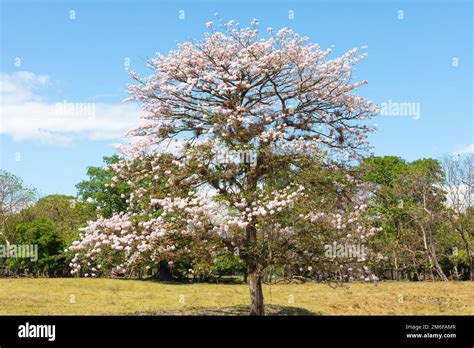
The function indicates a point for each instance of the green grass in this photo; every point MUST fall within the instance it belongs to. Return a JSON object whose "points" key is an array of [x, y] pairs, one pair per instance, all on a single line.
{"points": [[82, 296]]}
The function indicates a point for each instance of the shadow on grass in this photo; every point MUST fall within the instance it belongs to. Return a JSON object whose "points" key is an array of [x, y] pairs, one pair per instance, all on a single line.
{"points": [[270, 310], [187, 281]]}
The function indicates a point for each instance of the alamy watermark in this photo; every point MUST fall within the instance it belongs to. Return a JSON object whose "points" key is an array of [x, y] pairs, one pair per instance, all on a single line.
{"points": [[346, 251], [236, 157], [75, 109], [14, 251], [402, 109], [28, 330]]}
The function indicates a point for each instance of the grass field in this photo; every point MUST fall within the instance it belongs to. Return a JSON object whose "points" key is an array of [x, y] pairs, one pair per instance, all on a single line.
{"points": [[124, 297]]}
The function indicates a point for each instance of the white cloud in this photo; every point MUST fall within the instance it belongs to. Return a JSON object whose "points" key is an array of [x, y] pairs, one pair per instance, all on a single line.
{"points": [[18, 87], [25, 115], [463, 149]]}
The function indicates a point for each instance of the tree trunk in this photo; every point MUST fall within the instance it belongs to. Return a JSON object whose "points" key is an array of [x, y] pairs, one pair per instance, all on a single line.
{"points": [[471, 266], [396, 266], [254, 274], [438, 268], [164, 271], [434, 257], [256, 293], [431, 254]]}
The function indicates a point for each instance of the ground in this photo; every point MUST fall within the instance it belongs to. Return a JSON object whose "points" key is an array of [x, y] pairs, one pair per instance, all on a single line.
{"points": [[82, 296]]}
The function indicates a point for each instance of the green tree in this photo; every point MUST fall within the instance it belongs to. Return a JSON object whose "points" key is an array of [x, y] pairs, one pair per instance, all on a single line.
{"points": [[52, 223], [45, 235], [14, 197], [66, 212], [383, 170], [98, 190], [410, 200]]}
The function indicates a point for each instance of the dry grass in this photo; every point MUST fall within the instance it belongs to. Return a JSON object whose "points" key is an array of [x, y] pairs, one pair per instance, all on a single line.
{"points": [[117, 297]]}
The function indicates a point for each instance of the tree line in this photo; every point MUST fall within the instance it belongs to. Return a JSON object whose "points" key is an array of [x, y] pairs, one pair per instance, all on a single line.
{"points": [[424, 209]]}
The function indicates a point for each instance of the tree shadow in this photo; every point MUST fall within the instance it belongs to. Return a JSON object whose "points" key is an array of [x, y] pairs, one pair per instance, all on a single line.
{"points": [[288, 311], [240, 310]]}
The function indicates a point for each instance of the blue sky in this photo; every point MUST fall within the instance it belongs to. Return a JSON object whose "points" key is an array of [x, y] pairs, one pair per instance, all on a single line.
{"points": [[422, 55]]}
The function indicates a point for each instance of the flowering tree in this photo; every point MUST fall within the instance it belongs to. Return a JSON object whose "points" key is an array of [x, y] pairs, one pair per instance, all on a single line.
{"points": [[257, 119]]}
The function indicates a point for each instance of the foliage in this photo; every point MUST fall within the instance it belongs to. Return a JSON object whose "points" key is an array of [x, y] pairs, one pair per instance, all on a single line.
{"points": [[14, 196], [411, 200], [52, 223], [105, 199], [45, 235], [66, 212]]}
